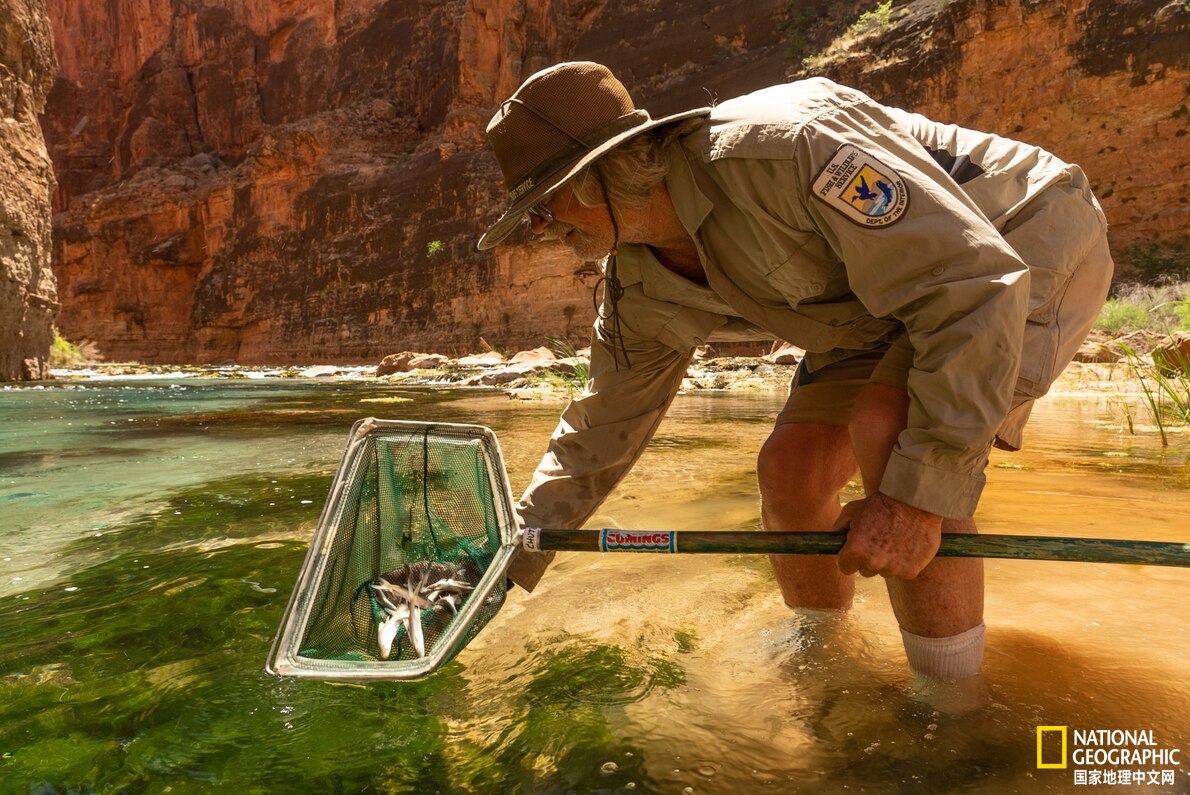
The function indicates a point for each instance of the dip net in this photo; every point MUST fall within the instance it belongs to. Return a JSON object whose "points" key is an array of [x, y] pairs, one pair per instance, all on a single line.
{"points": [[406, 563]]}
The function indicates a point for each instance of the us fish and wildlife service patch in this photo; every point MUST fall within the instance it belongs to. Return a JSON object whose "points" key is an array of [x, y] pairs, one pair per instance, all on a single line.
{"points": [[862, 188]]}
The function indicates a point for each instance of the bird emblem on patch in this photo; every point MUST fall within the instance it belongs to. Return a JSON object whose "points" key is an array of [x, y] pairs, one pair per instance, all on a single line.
{"points": [[862, 188]]}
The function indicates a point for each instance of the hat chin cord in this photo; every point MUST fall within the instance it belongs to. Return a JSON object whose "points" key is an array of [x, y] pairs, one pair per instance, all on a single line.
{"points": [[612, 289]]}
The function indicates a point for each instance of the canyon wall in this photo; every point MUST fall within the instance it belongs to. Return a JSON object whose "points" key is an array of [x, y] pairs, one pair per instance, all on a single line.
{"points": [[1101, 83], [265, 182], [28, 298]]}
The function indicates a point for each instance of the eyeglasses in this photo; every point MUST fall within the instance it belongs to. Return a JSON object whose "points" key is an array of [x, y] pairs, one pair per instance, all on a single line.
{"points": [[541, 211]]}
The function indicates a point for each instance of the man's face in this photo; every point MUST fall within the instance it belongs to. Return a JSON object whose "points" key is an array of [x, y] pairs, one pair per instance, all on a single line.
{"points": [[587, 231]]}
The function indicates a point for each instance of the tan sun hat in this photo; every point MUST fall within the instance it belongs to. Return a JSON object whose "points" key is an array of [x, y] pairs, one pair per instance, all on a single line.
{"points": [[557, 123]]}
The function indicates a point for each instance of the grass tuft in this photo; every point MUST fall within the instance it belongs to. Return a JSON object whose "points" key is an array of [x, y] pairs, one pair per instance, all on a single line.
{"points": [[573, 384], [1164, 389], [1160, 308], [64, 353]]}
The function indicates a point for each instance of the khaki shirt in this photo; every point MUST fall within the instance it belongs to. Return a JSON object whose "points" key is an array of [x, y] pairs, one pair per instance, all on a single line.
{"points": [[828, 220]]}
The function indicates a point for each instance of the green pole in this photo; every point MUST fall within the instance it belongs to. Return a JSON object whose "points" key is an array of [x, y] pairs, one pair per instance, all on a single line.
{"points": [[961, 545]]}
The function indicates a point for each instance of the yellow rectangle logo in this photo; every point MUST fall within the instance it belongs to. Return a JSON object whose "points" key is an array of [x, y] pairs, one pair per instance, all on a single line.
{"points": [[1041, 763]]}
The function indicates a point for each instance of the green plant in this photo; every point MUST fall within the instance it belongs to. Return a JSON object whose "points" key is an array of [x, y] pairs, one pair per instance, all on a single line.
{"points": [[64, 353], [1160, 263], [434, 248], [1121, 317], [1166, 392], [878, 18], [1182, 310], [805, 37], [798, 20], [571, 383], [1162, 308]]}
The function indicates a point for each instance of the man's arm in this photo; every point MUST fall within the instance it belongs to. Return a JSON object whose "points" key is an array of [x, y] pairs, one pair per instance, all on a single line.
{"points": [[602, 434]]}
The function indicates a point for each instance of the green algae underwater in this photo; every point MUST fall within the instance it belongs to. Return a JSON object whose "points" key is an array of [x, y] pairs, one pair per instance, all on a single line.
{"points": [[155, 528], [140, 665]]}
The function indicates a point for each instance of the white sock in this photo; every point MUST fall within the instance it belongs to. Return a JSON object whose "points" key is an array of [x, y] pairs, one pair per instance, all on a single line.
{"points": [[951, 658]]}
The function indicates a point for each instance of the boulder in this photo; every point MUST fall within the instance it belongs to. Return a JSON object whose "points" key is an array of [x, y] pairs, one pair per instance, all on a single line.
{"points": [[515, 372], [397, 363], [535, 356], [1172, 355], [505, 375], [784, 353], [489, 359], [427, 361], [1093, 352], [570, 364], [320, 371]]}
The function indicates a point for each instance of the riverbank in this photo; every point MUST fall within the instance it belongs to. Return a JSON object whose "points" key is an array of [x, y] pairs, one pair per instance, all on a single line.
{"points": [[729, 374]]}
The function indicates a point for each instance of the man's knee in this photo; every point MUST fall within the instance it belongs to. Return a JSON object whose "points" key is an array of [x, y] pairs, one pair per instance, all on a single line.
{"points": [[807, 458]]}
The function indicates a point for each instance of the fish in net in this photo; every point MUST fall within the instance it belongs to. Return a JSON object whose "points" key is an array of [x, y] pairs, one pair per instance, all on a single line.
{"points": [[406, 564]]}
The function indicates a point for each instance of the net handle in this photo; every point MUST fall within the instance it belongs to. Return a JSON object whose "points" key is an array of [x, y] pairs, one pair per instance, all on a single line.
{"points": [[961, 545]]}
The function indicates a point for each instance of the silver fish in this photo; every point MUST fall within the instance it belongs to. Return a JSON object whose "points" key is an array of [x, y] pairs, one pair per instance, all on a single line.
{"points": [[404, 594], [387, 631], [449, 600], [450, 585], [388, 591]]}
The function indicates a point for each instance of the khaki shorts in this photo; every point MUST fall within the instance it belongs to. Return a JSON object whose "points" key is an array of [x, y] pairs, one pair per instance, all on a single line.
{"points": [[827, 396], [1070, 273]]}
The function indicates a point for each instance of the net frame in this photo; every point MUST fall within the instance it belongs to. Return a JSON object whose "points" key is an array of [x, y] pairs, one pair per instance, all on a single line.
{"points": [[286, 657]]}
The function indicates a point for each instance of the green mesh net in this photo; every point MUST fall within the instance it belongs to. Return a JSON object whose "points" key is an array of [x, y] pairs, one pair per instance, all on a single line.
{"points": [[407, 562]]}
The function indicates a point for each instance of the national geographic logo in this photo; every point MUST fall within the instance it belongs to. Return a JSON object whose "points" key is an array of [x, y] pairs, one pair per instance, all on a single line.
{"points": [[1051, 745], [1107, 756]]}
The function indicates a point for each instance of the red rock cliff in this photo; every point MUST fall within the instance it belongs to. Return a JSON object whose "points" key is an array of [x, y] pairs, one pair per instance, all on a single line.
{"points": [[268, 183], [28, 299]]}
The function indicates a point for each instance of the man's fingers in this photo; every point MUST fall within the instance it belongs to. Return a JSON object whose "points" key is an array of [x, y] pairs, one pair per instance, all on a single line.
{"points": [[849, 511], [853, 562], [848, 563]]}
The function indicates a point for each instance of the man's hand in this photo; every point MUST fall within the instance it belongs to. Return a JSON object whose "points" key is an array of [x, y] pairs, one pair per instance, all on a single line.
{"points": [[887, 537]]}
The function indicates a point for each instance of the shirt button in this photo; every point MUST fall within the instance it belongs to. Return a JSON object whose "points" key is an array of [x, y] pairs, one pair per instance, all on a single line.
{"points": [[938, 271]]}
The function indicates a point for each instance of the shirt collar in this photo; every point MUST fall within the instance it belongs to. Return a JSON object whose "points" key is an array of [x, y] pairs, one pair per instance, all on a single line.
{"points": [[691, 205]]}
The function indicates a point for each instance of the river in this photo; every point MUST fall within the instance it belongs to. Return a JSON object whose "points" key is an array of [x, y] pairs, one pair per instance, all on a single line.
{"points": [[154, 528]]}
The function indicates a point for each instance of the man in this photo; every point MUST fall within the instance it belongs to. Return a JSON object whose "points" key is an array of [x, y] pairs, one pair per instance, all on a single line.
{"points": [[938, 278]]}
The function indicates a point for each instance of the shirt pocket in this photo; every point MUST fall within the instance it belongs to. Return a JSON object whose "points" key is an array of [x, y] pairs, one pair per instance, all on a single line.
{"points": [[799, 275]]}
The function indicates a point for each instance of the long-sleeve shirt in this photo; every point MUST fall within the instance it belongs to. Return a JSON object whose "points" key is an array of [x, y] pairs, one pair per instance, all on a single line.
{"points": [[833, 222]]}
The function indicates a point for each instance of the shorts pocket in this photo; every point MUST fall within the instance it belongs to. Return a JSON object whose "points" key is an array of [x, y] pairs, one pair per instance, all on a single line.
{"points": [[1061, 238]]}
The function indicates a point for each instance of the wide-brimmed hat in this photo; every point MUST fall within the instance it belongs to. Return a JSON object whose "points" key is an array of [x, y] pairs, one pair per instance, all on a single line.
{"points": [[558, 122]]}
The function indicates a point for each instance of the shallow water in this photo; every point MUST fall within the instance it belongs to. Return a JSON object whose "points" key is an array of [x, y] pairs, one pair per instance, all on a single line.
{"points": [[154, 530]]}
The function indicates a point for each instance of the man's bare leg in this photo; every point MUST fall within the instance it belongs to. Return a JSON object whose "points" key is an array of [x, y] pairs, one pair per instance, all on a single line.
{"points": [[801, 470], [946, 599]]}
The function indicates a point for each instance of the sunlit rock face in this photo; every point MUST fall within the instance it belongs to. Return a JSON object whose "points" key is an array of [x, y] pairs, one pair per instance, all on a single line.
{"points": [[28, 295], [1101, 83], [276, 181]]}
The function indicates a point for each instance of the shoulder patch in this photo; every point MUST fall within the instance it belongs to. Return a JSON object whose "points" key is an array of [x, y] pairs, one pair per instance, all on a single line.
{"points": [[863, 189]]}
